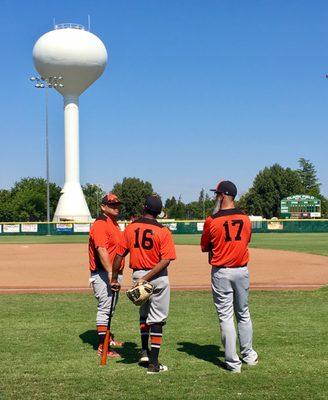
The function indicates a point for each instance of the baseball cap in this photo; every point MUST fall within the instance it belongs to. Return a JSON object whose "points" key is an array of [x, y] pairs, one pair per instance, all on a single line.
{"points": [[110, 199], [226, 187], [154, 204]]}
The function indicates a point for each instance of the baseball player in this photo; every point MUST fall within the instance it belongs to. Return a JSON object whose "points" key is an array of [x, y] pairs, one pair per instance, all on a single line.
{"points": [[151, 250], [226, 235], [104, 237]]}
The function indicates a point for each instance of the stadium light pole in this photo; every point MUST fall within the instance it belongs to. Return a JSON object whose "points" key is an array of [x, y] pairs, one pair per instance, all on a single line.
{"points": [[204, 214], [47, 83]]}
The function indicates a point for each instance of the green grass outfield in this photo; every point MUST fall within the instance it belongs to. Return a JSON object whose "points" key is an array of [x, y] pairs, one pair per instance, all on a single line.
{"points": [[48, 350], [314, 243]]}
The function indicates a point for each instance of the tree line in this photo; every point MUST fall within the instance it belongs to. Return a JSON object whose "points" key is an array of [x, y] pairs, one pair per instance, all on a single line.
{"points": [[26, 200], [274, 183], [270, 186]]}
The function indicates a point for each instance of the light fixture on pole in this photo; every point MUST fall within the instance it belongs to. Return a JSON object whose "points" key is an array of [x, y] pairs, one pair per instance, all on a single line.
{"points": [[47, 83]]}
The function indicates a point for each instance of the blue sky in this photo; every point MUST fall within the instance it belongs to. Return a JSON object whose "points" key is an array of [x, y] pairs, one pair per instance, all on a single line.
{"points": [[194, 91]]}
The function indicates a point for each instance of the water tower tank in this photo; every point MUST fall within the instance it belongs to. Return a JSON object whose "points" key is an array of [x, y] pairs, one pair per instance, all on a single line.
{"points": [[80, 58]]}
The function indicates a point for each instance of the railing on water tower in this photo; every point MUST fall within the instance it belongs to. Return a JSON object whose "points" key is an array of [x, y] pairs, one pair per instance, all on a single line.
{"points": [[69, 26]]}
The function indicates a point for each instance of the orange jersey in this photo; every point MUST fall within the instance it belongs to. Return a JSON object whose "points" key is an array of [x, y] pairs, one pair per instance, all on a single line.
{"points": [[226, 235], [106, 233], [148, 242]]}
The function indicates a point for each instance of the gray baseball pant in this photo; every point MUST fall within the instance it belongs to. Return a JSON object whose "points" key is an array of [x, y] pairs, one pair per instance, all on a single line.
{"points": [[156, 309], [103, 293], [230, 287]]}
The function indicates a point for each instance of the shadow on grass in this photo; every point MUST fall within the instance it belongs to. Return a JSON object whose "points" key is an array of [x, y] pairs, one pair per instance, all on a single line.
{"points": [[207, 352], [90, 337], [129, 352]]}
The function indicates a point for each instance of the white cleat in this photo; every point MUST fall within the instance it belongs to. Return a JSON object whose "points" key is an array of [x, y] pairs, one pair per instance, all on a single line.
{"points": [[156, 369]]}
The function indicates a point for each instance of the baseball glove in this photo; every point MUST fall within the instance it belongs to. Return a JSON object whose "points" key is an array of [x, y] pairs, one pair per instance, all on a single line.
{"points": [[140, 293]]}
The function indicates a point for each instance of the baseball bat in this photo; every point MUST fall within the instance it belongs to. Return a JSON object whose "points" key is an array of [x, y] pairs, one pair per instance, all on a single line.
{"points": [[103, 359]]}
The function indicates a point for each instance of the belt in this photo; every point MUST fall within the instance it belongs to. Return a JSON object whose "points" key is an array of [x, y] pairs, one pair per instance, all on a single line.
{"points": [[230, 267]]}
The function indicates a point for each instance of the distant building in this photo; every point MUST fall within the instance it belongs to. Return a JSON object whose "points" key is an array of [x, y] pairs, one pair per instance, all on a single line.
{"points": [[300, 206]]}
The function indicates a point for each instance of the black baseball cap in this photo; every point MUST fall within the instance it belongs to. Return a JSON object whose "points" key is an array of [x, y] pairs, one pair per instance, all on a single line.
{"points": [[111, 200], [153, 204], [226, 187]]}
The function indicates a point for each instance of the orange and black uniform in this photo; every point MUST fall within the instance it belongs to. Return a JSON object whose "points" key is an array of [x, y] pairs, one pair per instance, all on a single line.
{"points": [[226, 235], [105, 233], [149, 242]]}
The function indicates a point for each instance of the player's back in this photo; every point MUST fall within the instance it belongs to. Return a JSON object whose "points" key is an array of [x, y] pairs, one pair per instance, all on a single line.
{"points": [[148, 242], [230, 232]]}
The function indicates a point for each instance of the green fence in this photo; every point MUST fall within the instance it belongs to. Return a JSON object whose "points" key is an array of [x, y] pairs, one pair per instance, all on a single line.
{"points": [[176, 227], [290, 226]]}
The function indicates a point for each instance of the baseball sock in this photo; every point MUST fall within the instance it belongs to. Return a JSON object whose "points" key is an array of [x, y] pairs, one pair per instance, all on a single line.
{"points": [[156, 333], [144, 333], [101, 329]]}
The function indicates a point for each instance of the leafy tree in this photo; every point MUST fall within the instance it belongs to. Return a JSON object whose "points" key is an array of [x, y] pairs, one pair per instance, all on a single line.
{"points": [[28, 200], [176, 209], [308, 176], [93, 194], [170, 203], [270, 186], [201, 205], [194, 210], [206, 204], [132, 192], [6, 211], [324, 205]]}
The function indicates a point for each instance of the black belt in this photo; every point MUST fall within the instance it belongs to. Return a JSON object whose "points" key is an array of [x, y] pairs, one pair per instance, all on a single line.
{"points": [[225, 267]]}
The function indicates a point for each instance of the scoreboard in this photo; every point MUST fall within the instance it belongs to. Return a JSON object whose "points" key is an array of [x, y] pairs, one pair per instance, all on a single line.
{"points": [[300, 206]]}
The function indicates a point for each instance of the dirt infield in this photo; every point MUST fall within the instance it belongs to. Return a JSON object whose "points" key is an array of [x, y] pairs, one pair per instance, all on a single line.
{"points": [[64, 267]]}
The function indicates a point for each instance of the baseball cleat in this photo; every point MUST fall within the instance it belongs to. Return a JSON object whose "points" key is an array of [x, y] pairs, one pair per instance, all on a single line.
{"points": [[156, 369], [110, 353], [252, 362], [232, 370], [115, 343], [144, 357]]}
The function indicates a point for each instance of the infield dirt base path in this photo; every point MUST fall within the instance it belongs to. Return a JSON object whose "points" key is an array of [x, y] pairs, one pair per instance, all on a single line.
{"points": [[64, 267]]}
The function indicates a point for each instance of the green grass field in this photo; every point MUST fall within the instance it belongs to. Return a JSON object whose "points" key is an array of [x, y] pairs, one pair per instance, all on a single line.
{"points": [[314, 243], [48, 350]]}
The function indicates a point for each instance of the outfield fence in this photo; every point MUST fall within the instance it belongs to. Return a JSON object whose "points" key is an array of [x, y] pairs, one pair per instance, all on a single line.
{"points": [[176, 227]]}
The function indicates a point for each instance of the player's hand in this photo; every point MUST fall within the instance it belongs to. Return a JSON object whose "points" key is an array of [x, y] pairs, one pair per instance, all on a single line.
{"points": [[139, 282], [115, 285]]}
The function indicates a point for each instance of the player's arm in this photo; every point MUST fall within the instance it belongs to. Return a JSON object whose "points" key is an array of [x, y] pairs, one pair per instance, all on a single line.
{"points": [[121, 251], [100, 240], [116, 269], [104, 258], [205, 242], [167, 254], [115, 285], [155, 271]]}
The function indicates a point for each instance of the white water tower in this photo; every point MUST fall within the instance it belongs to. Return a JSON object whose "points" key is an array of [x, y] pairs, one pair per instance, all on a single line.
{"points": [[80, 58]]}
